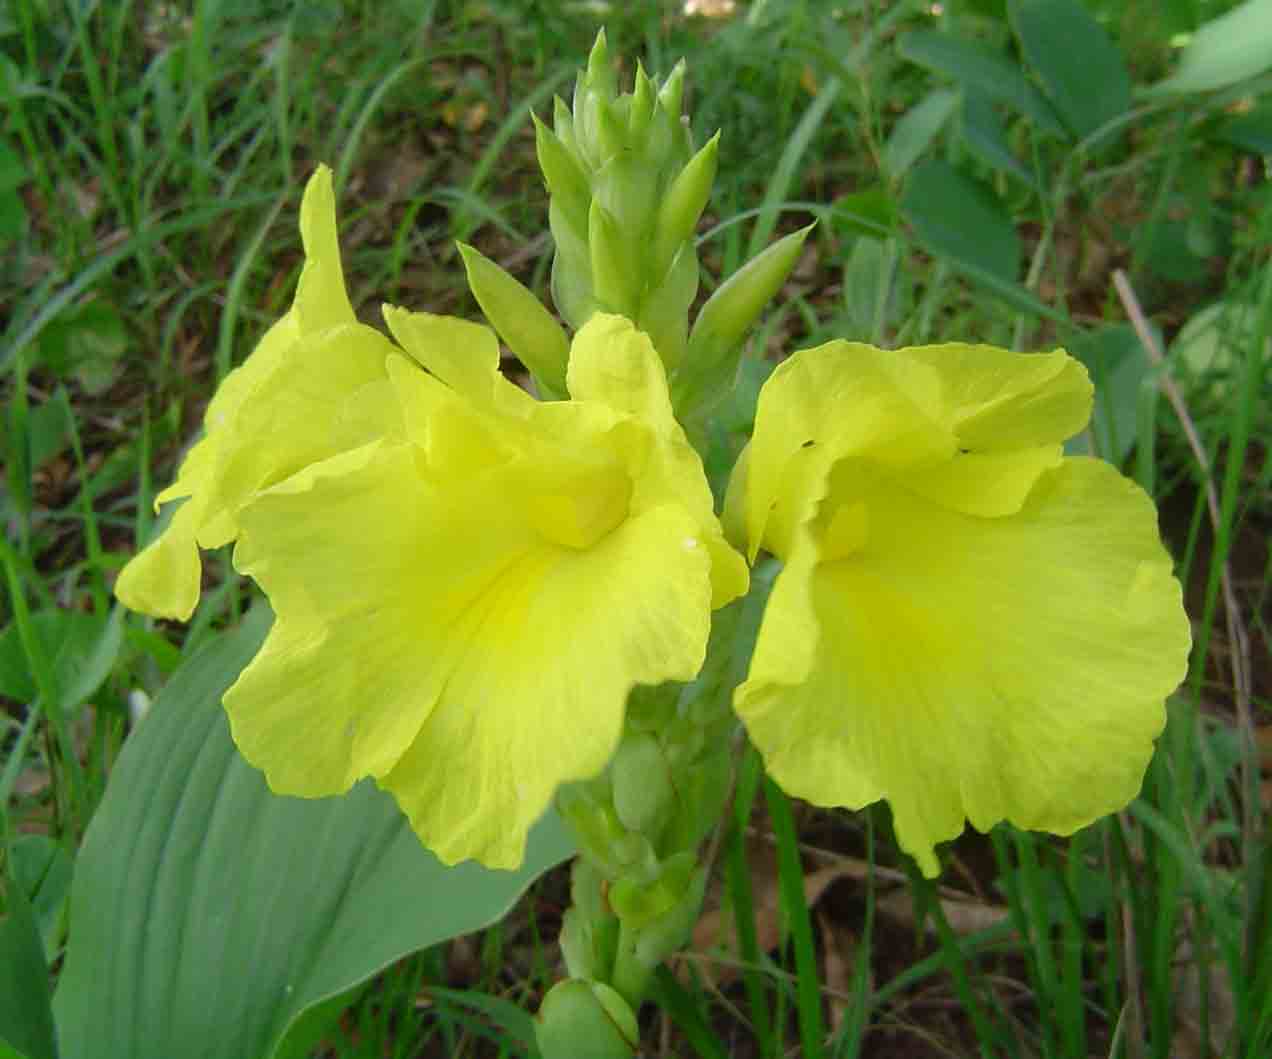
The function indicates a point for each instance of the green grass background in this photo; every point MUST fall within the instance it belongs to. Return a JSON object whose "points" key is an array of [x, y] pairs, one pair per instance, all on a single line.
{"points": [[151, 161]]}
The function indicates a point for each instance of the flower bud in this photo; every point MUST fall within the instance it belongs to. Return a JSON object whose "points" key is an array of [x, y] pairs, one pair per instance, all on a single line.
{"points": [[643, 791], [715, 342], [580, 1018], [520, 319], [567, 183], [683, 204]]}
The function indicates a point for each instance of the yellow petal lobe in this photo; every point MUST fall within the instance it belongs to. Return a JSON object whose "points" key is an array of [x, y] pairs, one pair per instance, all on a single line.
{"points": [[984, 636]]}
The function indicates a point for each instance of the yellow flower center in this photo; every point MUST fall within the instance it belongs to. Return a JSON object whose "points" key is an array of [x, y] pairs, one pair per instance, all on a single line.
{"points": [[595, 503]]}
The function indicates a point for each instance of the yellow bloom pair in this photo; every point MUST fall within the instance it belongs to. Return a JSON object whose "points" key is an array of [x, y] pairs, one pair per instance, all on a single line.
{"points": [[468, 582]]}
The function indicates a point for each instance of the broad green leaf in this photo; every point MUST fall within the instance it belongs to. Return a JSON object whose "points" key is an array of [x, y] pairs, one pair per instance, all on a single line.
{"points": [[978, 66], [916, 130], [26, 1021], [208, 914], [959, 218], [983, 132], [1080, 67], [1223, 52]]}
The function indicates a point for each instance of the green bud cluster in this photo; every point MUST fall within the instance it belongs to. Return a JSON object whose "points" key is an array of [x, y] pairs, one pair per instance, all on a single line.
{"points": [[626, 194], [627, 191]]}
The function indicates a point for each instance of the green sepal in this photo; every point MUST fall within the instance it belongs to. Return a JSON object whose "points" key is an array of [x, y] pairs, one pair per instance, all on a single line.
{"points": [[683, 204], [612, 273], [588, 810], [672, 92], [664, 314], [641, 109], [669, 909], [582, 1018], [702, 789], [589, 929], [644, 795], [571, 269], [639, 902], [520, 319], [567, 183]]}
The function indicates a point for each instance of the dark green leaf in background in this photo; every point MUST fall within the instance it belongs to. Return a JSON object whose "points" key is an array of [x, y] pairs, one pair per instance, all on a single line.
{"points": [[957, 217], [975, 65], [1118, 366], [1251, 130], [984, 133], [1082, 70], [872, 211], [86, 343], [42, 868], [26, 1022], [915, 131], [208, 914], [81, 647], [13, 215]]}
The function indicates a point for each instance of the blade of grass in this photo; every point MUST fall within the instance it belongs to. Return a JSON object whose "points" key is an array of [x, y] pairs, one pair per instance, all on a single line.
{"points": [[795, 907]]}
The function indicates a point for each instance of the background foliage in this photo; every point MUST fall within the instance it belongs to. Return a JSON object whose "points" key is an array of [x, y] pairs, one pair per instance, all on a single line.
{"points": [[980, 171]]}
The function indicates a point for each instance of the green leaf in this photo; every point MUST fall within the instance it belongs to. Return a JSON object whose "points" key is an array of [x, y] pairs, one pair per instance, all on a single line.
{"points": [[1081, 68], [26, 1021], [959, 218], [1251, 131], [873, 212], [916, 130], [13, 215], [82, 649], [208, 914], [86, 342], [1118, 366], [978, 66], [48, 428], [43, 869], [1226, 50], [984, 134]]}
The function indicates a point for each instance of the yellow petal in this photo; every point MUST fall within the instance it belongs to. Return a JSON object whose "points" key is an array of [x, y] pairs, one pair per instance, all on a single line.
{"points": [[832, 403], [163, 579], [463, 355], [614, 364], [537, 700], [295, 415], [304, 393], [968, 667], [321, 298], [993, 398], [428, 634]]}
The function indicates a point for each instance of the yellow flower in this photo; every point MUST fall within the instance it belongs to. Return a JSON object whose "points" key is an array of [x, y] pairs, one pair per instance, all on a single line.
{"points": [[967, 623], [462, 611], [314, 386]]}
